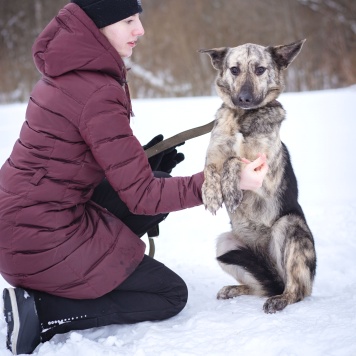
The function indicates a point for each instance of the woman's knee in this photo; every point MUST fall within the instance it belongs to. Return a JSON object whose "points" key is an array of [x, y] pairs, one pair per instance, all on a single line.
{"points": [[179, 296]]}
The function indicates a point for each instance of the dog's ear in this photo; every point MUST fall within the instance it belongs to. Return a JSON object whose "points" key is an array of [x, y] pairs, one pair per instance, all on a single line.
{"points": [[285, 55], [217, 56]]}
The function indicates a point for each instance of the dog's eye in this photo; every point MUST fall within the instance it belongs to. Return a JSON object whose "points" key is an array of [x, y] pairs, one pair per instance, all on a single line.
{"points": [[235, 70], [260, 70]]}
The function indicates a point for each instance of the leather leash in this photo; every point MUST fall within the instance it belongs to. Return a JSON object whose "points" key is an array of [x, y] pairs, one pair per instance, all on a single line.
{"points": [[179, 138], [171, 142]]}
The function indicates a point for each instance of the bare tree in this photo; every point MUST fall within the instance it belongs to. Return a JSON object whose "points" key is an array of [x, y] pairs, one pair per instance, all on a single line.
{"points": [[166, 62]]}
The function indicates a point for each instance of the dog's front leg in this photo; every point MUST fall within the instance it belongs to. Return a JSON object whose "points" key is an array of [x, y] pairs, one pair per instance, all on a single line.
{"points": [[211, 190], [221, 146], [292, 247], [230, 184]]}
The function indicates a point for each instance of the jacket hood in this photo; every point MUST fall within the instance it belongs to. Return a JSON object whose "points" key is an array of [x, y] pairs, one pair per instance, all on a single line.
{"points": [[72, 42]]}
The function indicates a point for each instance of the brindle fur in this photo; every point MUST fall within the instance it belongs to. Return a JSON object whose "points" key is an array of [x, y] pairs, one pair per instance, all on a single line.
{"points": [[270, 249]]}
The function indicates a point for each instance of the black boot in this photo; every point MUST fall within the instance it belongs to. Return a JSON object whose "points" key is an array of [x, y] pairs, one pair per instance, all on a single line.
{"points": [[23, 326]]}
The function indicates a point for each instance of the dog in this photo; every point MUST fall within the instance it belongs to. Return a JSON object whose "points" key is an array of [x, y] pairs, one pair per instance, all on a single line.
{"points": [[270, 249]]}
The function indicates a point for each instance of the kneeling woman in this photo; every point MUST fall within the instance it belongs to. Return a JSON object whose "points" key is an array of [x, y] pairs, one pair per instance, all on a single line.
{"points": [[78, 192]]}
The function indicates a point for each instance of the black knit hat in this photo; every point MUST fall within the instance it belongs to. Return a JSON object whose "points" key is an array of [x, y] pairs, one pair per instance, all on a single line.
{"points": [[107, 12]]}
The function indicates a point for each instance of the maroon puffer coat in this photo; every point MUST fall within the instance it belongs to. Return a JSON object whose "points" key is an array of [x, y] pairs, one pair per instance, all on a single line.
{"points": [[77, 131]]}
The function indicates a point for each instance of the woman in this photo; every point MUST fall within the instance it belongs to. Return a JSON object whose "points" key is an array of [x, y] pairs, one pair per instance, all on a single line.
{"points": [[78, 191]]}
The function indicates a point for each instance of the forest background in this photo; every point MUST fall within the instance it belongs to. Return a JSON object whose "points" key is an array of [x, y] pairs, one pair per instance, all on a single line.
{"points": [[167, 63]]}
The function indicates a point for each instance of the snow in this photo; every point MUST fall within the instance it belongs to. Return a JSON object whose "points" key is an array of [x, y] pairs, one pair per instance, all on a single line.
{"points": [[320, 134]]}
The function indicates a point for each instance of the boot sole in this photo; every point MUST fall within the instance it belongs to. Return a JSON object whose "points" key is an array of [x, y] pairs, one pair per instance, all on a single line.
{"points": [[11, 296]]}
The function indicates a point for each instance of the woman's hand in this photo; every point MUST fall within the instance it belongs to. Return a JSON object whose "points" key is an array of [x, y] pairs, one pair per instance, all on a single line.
{"points": [[253, 173], [164, 161]]}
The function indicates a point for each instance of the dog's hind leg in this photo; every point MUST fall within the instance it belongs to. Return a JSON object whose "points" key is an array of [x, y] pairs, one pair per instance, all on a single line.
{"points": [[247, 267], [233, 291], [293, 247]]}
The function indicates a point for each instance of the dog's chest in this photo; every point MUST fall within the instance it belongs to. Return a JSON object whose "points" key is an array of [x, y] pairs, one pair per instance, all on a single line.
{"points": [[248, 135], [256, 208], [244, 134], [238, 145]]}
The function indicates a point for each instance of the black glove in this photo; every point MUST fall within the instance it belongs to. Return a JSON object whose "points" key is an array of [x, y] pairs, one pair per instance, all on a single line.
{"points": [[166, 160]]}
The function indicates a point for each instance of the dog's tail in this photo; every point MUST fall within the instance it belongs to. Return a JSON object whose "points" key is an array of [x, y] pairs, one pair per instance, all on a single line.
{"points": [[258, 266]]}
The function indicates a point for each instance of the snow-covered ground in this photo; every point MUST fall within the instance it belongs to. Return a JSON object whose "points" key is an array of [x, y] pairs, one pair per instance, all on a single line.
{"points": [[320, 134]]}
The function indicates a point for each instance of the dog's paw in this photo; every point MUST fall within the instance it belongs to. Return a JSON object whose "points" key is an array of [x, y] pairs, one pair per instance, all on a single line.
{"points": [[275, 304], [228, 292], [211, 190], [212, 198], [232, 200]]}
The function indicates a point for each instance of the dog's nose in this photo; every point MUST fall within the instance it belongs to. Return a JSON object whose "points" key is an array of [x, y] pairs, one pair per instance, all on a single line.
{"points": [[245, 97]]}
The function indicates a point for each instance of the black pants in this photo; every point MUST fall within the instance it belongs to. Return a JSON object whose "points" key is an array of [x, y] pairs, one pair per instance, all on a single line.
{"points": [[151, 292]]}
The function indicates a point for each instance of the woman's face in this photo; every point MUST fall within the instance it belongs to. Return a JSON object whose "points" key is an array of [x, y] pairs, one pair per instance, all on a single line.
{"points": [[123, 35]]}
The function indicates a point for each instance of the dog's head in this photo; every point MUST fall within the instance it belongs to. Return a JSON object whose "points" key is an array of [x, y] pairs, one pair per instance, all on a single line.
{"points": [[250, 75]]}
